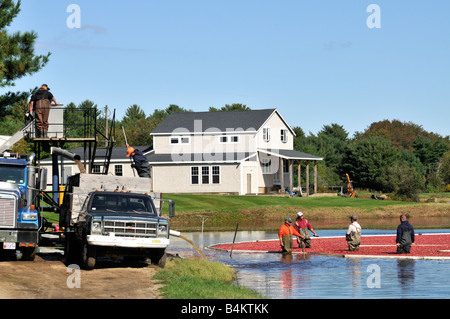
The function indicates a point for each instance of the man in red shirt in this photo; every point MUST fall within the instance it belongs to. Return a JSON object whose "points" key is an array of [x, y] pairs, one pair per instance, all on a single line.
{"points": [[303, 226], [285, 234]]}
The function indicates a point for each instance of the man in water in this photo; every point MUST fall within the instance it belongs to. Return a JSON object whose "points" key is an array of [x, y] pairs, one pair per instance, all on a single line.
{"points": [[285, 234], [405, 236], [353, 235], [303, 226]]}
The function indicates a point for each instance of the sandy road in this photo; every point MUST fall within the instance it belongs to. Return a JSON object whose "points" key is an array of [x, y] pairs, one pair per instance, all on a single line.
{"points": [[47, 277]]}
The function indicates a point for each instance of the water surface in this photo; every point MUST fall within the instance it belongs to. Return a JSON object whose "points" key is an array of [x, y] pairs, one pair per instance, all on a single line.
{"points": [[313, 276]]}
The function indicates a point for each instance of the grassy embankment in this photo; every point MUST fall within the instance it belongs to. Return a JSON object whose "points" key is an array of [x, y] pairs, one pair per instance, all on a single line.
{"points": [[266, 212], [200, 279]]}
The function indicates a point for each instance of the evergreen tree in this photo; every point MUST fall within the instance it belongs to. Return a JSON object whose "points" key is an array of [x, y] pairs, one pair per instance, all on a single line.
{"points": [[17, 58]]}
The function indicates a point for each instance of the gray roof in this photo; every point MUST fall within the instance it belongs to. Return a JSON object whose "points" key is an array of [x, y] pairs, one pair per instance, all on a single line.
{"points": [[291, 154], [197, 122], [198, 158]]}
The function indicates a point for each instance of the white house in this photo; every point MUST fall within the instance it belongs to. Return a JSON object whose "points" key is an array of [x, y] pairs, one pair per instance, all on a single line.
{"points": [[243, 152]]}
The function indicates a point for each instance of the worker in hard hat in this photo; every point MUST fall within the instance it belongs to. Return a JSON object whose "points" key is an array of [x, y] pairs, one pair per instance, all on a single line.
{"points": [[303, 226], [285, 235], [140, 162]]}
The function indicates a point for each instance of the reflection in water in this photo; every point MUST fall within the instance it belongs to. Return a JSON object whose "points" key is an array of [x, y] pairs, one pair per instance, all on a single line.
{"points": [[311, 276], [405, 275]]}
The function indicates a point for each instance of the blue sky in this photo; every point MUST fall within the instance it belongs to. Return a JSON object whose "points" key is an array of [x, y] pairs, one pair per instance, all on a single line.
{"points": [[317, 62]]}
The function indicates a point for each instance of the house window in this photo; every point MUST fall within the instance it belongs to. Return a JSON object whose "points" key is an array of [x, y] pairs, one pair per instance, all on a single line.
{"points": [[96, 169], [285, 166], [205, 174], [266, 134], [194, 175], [229, 139], [209, 174], [284, 135], [179, 140], [118, 170], [266, 165], [216, 174]]}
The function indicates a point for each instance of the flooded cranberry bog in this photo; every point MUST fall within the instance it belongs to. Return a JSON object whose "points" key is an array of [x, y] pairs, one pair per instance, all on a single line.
{"points": [[373, 272]]}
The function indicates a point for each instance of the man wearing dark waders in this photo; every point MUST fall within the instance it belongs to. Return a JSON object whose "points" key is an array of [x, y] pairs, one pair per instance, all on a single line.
{"points": [[405, 236], [140, 162], [40, 103], [353, 235]]}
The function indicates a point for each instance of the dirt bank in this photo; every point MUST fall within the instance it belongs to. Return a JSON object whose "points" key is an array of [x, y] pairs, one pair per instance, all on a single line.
{"points": [[47, 277]]}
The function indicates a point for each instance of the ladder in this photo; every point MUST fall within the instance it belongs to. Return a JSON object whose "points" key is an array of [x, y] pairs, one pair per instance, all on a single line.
{"points": [[104, 152]]}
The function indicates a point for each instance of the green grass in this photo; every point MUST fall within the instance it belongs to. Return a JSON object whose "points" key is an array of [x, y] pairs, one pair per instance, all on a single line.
{"points": [[223, 212], [200, 279], [226, 203]]}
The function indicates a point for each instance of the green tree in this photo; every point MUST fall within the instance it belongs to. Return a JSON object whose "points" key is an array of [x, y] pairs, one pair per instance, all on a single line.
{"points": [[17, 58], [366, 161], [231, 107]]}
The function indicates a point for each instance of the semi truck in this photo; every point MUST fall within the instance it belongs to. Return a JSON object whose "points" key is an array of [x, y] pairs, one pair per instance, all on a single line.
{"points": [[20, 221], [112, 216]]}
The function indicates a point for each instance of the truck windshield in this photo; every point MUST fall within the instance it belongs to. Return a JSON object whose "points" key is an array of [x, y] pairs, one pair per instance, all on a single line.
{"points": [[12, 174], [121, 203]]}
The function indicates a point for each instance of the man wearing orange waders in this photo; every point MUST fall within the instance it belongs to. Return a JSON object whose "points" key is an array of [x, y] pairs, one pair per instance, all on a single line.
{"points": [[285, 234]]}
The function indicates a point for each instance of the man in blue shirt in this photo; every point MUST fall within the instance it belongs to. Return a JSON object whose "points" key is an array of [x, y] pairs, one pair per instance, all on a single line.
{"points": [[140, 162], [405, 236]]}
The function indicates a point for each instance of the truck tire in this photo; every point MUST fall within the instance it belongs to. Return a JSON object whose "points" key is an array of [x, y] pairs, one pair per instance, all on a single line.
{"points": [[88, 256], [72, 249], [158, 257], [28, 254]]}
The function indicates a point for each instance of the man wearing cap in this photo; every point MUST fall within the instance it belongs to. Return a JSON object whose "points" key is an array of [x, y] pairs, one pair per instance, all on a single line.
{"points": [[40, 103], [353, 235], [285, 234], [140, 162], [303, 226]]}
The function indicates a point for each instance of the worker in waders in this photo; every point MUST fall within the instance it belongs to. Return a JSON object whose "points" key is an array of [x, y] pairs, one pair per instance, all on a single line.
{"points": [[405, 236], [140, 162], [285, 235], [353, 235], [41, 102], [303, 226]]}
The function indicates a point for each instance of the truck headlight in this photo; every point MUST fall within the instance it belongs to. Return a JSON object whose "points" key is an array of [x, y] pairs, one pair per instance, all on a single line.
{"points": [[96, 228], [29, 216], [162, 231]]}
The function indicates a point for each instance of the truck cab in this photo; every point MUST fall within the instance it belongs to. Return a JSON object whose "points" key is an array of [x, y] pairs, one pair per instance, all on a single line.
{"points": [[118, 219], [19, 219]]}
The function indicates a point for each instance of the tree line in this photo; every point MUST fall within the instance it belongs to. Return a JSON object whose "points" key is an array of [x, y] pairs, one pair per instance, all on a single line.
{"points": [[389, 156]]}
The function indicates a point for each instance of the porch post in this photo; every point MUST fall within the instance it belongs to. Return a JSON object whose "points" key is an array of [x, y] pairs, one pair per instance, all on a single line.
{"points": [[281, 169], [307, 178], [291, 182], [299, 174], [315, 177]]}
